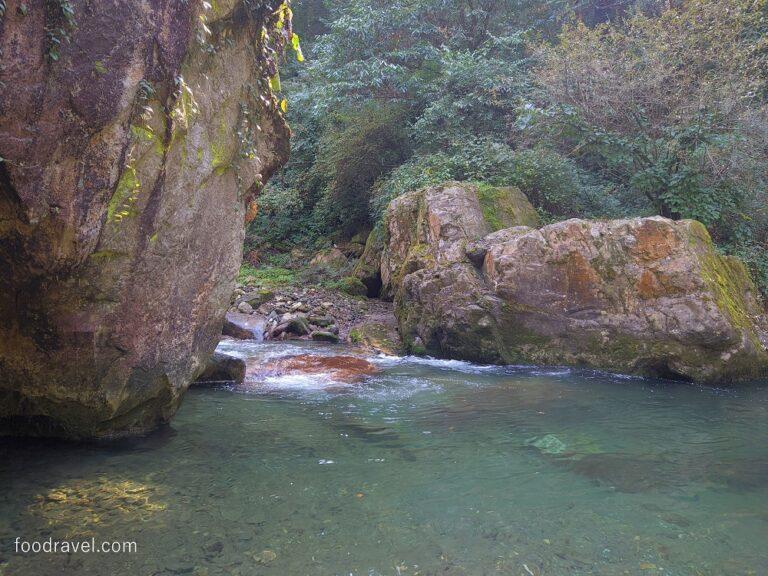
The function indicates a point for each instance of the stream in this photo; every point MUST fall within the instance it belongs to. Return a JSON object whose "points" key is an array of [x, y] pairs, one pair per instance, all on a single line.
{"points": [[428, 468]]}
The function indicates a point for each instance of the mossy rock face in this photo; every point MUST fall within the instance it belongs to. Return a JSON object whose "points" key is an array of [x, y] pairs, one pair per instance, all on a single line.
{"points": [[472, 279], [448, 312], [331, 259], [126, 238], [323, 336], [368, 267], [256, 297], [432, 226], [506, 207], [379, 337], [352, 286], [645, 296]]}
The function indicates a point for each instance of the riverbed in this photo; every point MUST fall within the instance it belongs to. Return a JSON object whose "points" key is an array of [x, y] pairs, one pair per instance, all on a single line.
{"points": [[428, 468]]}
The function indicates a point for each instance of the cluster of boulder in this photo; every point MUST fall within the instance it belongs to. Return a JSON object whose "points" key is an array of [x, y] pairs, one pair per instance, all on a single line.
{"points": [[311, 313], [473, 277], [284, 316]]}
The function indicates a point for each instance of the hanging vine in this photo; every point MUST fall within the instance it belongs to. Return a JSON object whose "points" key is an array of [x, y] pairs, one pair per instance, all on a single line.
{"points": [[277, 35]]}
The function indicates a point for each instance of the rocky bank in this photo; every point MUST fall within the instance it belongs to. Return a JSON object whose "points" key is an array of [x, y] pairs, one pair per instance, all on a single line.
{"points": [[133, 141], [313, 313], [472, 277]]}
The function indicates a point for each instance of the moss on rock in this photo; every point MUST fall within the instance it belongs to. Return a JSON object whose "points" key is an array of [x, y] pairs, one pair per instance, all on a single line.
{"points": [[506, 207]]}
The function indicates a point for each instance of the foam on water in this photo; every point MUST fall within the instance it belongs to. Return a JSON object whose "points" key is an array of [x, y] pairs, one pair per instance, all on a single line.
{"points": [[437, 363], [305, 382]]}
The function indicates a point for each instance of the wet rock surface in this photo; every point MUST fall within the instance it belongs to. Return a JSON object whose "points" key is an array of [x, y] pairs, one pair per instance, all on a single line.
{"points": [[646, 296], [243, 326], [377, 334], [122, 203], [342, 369], [222, 369], [316, 313]]}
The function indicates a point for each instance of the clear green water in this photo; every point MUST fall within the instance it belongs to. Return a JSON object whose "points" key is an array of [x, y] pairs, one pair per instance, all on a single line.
{"points": [[431, 468]]}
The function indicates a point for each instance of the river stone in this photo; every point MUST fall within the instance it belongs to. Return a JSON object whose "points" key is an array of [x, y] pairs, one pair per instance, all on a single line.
{"points": [[255, 298], [323, 336], [245, 308], [321, 321], [222, 368], [122, 200], [646, 296], [290, 324]]}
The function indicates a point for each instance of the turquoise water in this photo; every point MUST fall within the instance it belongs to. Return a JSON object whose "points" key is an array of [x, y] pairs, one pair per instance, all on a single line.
{"points": [[431, 468]]}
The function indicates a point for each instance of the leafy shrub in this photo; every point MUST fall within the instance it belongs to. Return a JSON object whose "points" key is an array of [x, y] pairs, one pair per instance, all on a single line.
{"points": [[557, 185], [359, 149], [664, 108], [551, 182]]}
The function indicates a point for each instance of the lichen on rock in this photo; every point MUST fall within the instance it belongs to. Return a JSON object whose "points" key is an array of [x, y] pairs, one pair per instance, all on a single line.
{"points": [[645, 296], [122, 202]]}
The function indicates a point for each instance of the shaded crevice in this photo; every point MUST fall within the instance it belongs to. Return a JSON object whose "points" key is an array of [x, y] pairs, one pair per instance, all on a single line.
{"points": [[373, 285]]}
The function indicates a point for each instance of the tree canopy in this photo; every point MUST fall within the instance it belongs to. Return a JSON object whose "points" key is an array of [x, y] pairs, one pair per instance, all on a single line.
{"points": [[594, 108]]}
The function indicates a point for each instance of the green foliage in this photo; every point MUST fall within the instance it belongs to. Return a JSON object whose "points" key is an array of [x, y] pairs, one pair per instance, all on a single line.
{"points": [[329, 193], [266, 276], [61, 18], [669, 111], [556, 184], [551, 181], [592, 108], [354, 153]]}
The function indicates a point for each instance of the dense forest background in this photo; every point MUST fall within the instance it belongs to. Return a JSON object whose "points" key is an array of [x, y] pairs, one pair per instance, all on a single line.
{"points": [[594, 108]]}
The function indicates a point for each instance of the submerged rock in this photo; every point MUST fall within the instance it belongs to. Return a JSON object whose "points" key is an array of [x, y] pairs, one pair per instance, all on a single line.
{"points": [[647, 296], [627, 473], [344, 369], [128, 166], [548, 444]]}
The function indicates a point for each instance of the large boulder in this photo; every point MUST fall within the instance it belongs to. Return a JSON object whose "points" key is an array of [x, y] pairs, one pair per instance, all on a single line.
{"points": [[377, 334], [647, 296], [430, 227], [131, 152], [331, 259], [441, 300]]}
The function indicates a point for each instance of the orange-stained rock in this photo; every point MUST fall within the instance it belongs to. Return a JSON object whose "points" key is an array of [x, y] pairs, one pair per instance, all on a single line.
{"points": [[347, 369], [646, 296]]}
